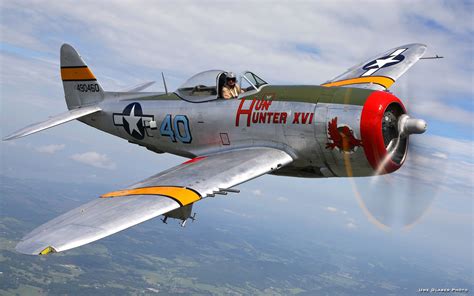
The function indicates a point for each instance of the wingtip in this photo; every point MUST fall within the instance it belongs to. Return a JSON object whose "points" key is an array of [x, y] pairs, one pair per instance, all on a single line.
{"points": [[414, 44], [27, 247], [15, 135], [11, 137]]}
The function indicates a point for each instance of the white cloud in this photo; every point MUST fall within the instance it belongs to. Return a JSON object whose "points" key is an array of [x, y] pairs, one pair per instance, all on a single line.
{"points": [[282, 199], [95, 159], [50, 149], [440, 155], [452, 159], [271, 50], [9, 143], [442, 111], [335, 210], [351, 225], [244, 215], [257, 192]]}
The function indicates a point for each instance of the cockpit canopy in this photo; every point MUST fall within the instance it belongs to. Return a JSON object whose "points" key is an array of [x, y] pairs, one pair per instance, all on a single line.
{"points": [[207, 85]]}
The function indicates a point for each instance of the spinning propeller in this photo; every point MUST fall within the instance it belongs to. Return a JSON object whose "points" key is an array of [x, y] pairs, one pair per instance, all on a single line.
{"points": [[400, 199]]}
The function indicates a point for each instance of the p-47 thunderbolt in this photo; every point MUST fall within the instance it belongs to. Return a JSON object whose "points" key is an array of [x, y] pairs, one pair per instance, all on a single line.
{"points": [[347, 127]]}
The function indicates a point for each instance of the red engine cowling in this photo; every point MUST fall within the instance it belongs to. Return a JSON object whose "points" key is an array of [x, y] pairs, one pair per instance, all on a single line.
{"points": [[384, 149]]}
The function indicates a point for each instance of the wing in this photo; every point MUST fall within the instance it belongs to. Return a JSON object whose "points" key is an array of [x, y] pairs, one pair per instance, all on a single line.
{"points": [[380, 72], [157, 195]]}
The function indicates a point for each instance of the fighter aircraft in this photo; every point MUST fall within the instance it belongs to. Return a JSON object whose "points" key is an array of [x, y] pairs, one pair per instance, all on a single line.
{"points": [[347, 127]]}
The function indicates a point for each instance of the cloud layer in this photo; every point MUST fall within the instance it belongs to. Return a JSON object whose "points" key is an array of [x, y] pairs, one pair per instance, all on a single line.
{"points": [[299, 42], [95, 159], [50, 149]]}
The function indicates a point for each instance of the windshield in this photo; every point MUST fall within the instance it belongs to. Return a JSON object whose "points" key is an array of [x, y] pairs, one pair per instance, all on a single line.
{"points": [[253, 79]]}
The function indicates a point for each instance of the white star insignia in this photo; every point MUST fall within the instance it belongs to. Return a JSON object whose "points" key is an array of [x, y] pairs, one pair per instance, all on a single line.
{"points": [[132, 121]]}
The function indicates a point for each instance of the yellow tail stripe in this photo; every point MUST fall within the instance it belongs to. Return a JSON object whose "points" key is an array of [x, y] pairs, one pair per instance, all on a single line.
{"points": [[182, 195], [77, 73], [380, 80]]}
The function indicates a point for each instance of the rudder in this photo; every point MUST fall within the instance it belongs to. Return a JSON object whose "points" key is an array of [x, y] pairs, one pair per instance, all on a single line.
{"points": [[81, 87]]}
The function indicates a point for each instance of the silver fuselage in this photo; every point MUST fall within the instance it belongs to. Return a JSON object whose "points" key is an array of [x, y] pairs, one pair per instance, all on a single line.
{"points": [[221, 125]]}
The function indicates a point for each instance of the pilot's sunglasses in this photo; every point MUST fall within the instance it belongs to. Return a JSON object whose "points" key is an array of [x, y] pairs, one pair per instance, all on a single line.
{"points": [[232, 79]]}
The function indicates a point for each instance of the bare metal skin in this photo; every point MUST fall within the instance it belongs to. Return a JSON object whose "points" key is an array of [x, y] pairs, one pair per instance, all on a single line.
{"points": [[347, 127]]}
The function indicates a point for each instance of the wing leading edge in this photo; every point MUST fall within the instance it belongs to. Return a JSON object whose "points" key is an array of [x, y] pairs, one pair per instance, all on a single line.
{"points": [[174, 188]]}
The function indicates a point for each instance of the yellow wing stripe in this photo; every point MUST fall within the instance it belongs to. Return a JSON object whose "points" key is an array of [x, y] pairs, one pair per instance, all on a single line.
{"points": [[380, 80], [182, 195], [76, 73]]}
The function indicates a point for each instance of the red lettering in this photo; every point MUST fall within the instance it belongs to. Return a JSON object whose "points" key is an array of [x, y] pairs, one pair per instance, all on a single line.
{"points": [[311, 118], [255, 117], [269, 116], [262, 117], [262, 105], [276, 117], [296, 118], [242, 111], [266, 105], [304, 117]]}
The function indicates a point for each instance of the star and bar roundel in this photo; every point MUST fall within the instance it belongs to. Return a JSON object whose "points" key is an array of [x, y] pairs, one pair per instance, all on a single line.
{"points": [[133, 120], [386, 61]]}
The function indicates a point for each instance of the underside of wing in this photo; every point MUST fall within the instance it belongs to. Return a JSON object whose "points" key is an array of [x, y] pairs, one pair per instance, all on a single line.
{"points": [[381, 71], [173, 189]]}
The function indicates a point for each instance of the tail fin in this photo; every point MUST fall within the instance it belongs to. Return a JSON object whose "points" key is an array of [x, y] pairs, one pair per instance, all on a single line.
{"points": [[81, 88]]}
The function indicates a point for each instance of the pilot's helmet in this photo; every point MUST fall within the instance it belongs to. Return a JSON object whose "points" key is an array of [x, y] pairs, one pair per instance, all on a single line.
{"points": [[231, 75]]}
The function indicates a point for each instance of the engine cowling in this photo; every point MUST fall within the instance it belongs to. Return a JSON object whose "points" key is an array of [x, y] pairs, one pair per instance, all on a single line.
{"points": [[367, 140], [384, 149]]}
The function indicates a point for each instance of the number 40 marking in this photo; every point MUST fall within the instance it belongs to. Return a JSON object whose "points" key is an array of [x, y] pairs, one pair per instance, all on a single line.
{"points": [[176, 129]]}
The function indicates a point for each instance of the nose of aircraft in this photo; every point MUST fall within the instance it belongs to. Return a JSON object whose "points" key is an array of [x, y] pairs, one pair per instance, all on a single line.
{"points": [[408, 126]]}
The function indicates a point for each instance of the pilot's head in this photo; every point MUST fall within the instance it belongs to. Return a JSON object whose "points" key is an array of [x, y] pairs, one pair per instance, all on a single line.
{"points": [[231, 79]]}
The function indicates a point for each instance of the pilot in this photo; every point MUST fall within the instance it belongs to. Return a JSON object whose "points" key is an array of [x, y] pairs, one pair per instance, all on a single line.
{"points": [[231, 90]]}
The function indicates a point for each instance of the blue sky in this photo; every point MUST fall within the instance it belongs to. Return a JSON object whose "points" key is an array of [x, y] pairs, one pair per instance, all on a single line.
{"points": [[126, 43]]}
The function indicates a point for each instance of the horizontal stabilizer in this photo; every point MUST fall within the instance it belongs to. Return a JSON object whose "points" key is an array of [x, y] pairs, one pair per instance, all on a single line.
{"points": [[381, 71], [53, 121]]}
